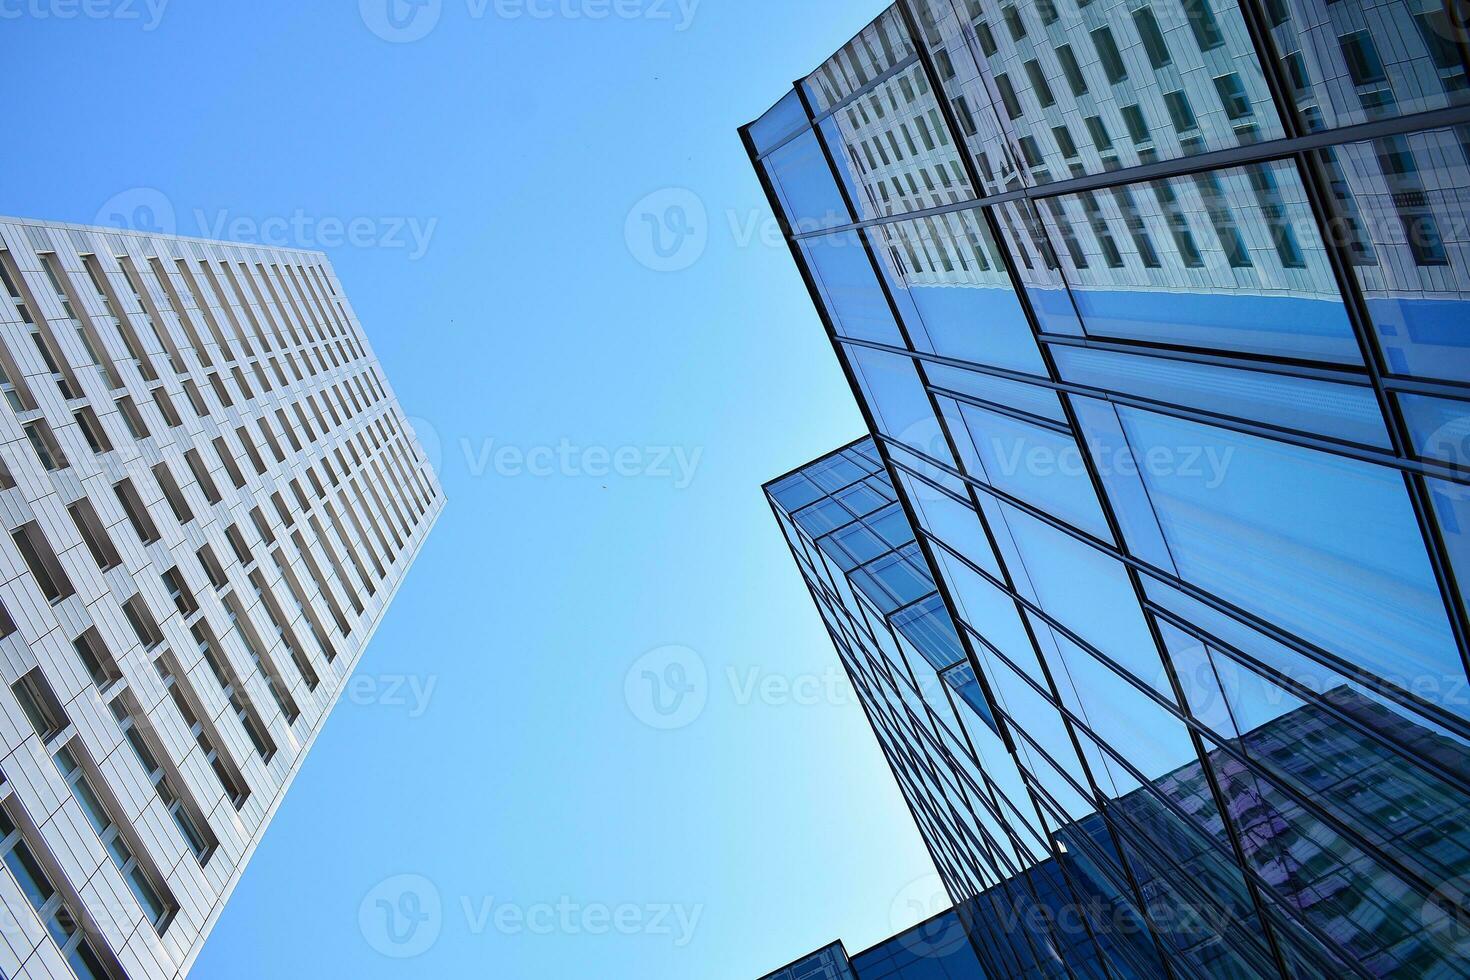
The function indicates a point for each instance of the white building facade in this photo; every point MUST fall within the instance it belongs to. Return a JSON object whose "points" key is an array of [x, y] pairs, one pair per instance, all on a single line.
{"points": [[210, 496]]}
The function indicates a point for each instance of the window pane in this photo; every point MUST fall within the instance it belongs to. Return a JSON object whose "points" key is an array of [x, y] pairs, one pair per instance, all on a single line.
{"points": [[1401, 210], [1211, 261], [850, 289], [1342, 411], [1267, 533], [1354, 62], [961, 301]]}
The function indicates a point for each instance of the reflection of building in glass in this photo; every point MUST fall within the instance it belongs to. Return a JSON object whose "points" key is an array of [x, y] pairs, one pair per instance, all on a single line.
{"points": [[1162, 338], [211, 497], [850, 538]]}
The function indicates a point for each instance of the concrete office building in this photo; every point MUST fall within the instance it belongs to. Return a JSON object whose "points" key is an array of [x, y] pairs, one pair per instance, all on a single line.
{"points": [[210, 497]]}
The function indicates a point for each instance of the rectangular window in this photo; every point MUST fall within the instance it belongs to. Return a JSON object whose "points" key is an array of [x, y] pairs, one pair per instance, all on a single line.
{"points": [[41, 560], [212, 567], [1232, 96], [92, 431], [1014, 23], [1072, 70], [196, 400], [228, 459], [1202, 22], [137, 513], [1099, 133], [132, 418], [1361, 55], [94, 535], [1039, 84], [48, 450], [1107, 52], [172, 494], [987, 39], [166, 408], [1154, 44], [1008, 95], [1137, 126], [1179, 112], [142, 622], [98, 660], [238, 545], [1064, 141], [250, 451], [39, 703], [201, 476], [173, 584]]}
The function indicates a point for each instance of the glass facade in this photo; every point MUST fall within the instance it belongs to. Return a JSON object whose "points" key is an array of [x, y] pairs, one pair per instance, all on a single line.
{"points": [[1152, 576]]}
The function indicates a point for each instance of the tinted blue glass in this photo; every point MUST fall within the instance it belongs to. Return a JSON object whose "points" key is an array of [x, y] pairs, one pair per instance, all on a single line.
{"points": [[861, 499], [963, 301], [822, 517], [1225, 267], [928, 627], [1118, 470], [1266, 526], [1340, 411], [1452, 510], [899, 400], [809, 195], [1014, 394], [853, 298], [1440, 427], [860, 543], [779, 122], [835, 473], [1039, 465], [962, 679], [795, 492], [952, 522], [892, 525], [1089, 593]]}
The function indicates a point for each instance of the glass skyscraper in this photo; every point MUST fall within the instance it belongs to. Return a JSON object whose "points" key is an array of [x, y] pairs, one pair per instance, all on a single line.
{"points": [[1152, 578]]}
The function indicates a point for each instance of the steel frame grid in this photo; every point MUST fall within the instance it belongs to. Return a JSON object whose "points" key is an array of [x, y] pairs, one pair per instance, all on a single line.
{"points": [[1346, 281]]}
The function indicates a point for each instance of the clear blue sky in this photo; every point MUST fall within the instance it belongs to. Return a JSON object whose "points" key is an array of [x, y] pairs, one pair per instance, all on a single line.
{"points": [[528, 320]]}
